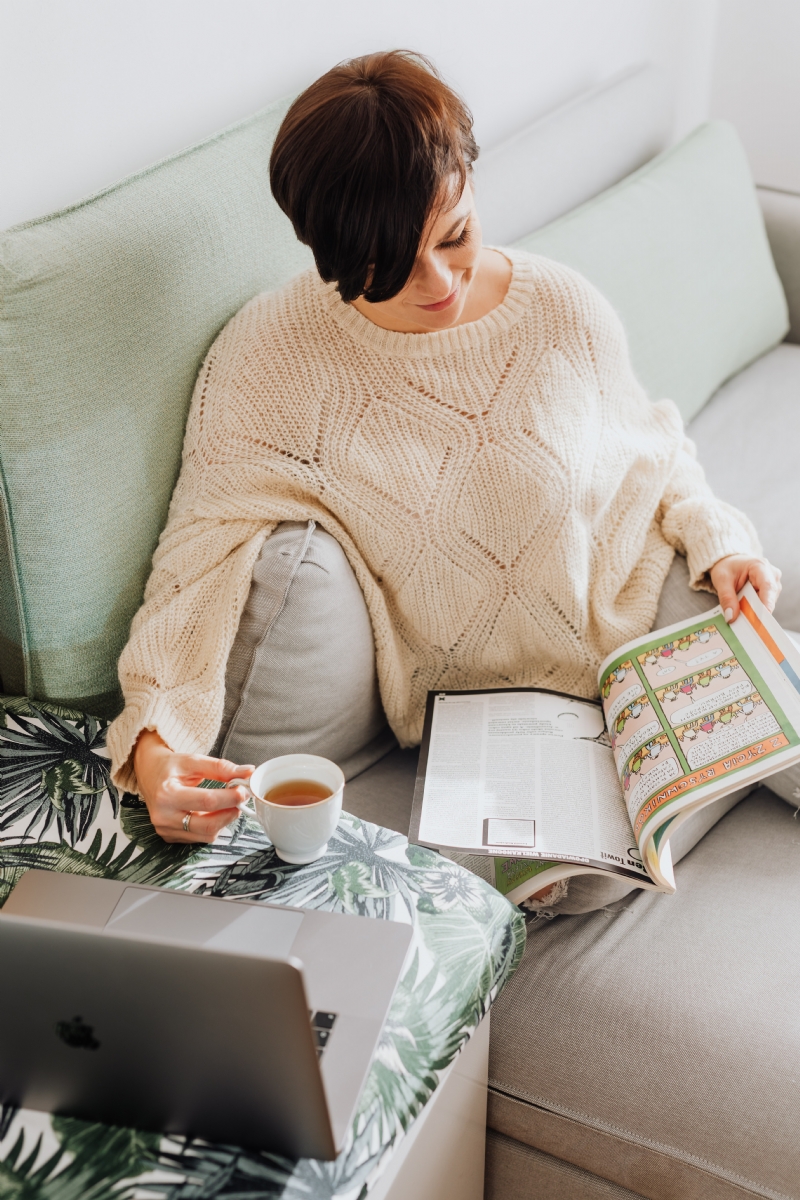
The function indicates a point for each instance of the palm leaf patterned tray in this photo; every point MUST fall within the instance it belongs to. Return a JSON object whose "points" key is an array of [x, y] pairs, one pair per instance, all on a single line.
{"points": [[59, 811]]}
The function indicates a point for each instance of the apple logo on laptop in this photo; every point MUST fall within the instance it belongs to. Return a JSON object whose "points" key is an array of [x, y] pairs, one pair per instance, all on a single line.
{"points": [[78, 1034]]}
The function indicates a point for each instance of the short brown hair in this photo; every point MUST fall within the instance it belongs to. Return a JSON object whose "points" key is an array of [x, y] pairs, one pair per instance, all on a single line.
{"points": [[361, 160]]}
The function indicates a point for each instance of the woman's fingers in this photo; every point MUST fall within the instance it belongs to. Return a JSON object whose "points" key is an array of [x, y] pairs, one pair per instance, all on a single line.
{"points": [[203, 826], [211, 809], [204, 767], [168, 785], [724, 578], [730, 574], [185, 798], [766, 579]]}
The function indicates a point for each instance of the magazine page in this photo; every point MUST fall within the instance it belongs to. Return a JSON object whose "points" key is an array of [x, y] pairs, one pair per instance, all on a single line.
{"points": [[520, 878], [524, 774], [696, 710], [761, 634]]}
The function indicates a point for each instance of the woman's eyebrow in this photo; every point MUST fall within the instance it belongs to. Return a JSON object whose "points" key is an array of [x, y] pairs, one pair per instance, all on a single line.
{"points": [[454, 227]]}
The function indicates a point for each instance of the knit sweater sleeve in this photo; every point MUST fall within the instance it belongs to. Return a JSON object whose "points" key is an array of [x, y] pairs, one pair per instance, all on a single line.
{"points": [[699, 525], [235, 486], [692, 519], [172, 670]]}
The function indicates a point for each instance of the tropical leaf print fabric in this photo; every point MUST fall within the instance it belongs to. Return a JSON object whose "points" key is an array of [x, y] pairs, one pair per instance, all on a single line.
{"points": [[60, 812]]}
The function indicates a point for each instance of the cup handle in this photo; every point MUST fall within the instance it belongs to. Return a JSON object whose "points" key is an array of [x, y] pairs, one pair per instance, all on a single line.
{"points": [[248, 805]]}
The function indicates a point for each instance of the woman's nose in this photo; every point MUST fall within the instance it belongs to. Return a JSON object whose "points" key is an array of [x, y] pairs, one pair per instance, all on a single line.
{"points": [[434, 280]]}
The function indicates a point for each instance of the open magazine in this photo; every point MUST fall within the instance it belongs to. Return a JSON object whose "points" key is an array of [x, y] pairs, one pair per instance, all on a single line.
{"points": [[551, 786]]}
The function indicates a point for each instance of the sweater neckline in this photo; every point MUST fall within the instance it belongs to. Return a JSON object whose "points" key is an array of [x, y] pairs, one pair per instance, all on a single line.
{"points": [[471, 336]]}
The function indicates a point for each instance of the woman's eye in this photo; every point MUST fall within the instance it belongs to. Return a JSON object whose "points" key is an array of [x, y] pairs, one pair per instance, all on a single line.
{"points": [[461, 240]]}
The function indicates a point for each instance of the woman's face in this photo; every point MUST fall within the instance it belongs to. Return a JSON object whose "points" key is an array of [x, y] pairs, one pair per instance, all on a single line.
{"points": [[435, 295]]}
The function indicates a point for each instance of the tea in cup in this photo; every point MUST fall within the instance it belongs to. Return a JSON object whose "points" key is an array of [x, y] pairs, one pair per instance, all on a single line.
{"points": [[297, 800]]}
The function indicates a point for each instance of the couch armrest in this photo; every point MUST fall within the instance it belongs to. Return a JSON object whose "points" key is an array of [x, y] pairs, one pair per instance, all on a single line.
{"points": [[782, 218]]}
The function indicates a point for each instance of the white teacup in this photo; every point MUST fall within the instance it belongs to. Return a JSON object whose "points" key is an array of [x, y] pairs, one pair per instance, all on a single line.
{"points": [[299, 833]]}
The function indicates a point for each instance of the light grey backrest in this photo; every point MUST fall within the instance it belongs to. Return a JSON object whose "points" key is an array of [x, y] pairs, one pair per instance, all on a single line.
{"points": [[782, 218], [572, 153]]}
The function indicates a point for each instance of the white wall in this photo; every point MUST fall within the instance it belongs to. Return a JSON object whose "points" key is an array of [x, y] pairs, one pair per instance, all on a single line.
{"points": [[757, 85], [91, 90]]}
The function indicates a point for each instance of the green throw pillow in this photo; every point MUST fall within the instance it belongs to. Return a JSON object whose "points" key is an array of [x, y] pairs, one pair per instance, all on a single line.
{"points": [[107, 311], [679, 249]]}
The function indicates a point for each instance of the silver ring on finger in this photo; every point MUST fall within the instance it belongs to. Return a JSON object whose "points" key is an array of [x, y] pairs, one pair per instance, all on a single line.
{"points": [[186, 819]]}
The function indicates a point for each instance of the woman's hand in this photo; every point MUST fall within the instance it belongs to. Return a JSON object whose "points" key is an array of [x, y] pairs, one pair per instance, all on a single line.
{"points": [[730, 574], [168, 785]]}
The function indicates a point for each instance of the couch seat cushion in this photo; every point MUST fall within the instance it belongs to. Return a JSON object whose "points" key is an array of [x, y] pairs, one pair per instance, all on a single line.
{"points": [[747, 439], [657, 1044]]}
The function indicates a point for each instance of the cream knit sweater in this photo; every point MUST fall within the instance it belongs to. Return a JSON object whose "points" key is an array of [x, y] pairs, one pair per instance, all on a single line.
{"points": [[507, 495]]}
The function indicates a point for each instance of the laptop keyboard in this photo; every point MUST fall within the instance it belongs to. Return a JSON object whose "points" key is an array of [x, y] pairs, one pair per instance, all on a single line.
{"points": [[321, 1024]]}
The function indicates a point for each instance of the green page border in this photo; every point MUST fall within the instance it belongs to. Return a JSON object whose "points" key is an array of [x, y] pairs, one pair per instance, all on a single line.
{"points": [[527, 869], [738, 651]]}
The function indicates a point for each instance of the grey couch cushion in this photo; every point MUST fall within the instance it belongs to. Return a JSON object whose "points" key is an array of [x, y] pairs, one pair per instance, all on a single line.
{"points": [[301, 674], [384, 793], [515, 1171], [747, 439], [657, 1045], [782, 220]]}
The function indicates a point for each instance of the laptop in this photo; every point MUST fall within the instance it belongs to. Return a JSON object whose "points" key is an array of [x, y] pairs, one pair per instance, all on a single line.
{"points": [[237, 1022]]}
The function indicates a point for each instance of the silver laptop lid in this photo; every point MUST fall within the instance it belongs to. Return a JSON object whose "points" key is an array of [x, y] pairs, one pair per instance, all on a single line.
{"points": [[200, 1005]]}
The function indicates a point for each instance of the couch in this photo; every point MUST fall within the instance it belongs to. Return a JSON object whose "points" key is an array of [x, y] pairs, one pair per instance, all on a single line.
{"points": [[649, 1049]]}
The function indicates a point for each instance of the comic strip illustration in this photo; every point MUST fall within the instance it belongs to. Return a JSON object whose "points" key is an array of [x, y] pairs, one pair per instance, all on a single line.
{"points": [[687, 654], [710, 688], [697, 688], [652, 767], [619, 688], [634, 726], [695, 707], [726, 730]]}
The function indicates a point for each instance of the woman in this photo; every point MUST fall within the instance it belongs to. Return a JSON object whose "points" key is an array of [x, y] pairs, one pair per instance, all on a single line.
{"points": [[463, 420]]}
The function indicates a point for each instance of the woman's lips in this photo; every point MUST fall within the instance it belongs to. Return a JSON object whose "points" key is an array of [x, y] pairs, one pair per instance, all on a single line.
{"points": [[440, 304]]}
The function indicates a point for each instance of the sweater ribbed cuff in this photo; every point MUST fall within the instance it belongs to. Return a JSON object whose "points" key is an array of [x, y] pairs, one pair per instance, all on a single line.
{"points": [[154, 713], [720, 539]]}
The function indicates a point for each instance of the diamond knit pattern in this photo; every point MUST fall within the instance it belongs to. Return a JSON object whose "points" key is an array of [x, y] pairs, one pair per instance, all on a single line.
{"points": [[508, 497]]}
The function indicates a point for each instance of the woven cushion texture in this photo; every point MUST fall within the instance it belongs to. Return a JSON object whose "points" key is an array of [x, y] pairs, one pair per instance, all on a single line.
{"points": [[679, 249], [657, 1044], [107, 311], [516, 1170], [747, 439]]}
